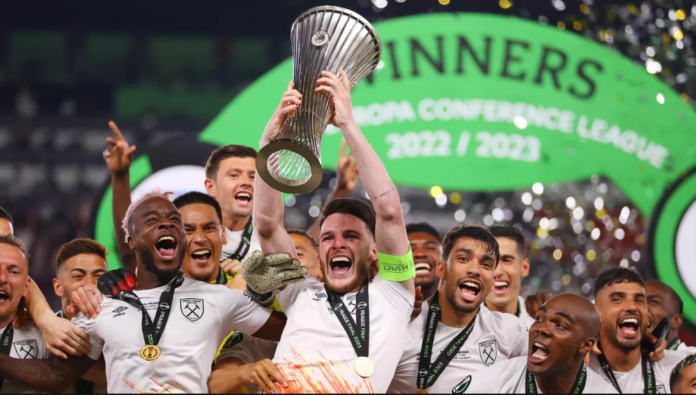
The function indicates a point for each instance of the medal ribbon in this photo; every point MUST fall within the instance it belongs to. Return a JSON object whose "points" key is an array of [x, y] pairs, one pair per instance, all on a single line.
{"points": [[358, 333], [6, 344], [222, 278], [152, 332], [578, 386], [244, 244], [674, 344], [646, 365], [427, 373]]}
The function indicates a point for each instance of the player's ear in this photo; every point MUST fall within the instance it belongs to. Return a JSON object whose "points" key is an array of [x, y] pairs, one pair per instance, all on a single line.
{"points": [[210, 187], [525, 267], [676, 321], [58, 287], [587, 345], [441, 269], [131, 242], [373, 252]]}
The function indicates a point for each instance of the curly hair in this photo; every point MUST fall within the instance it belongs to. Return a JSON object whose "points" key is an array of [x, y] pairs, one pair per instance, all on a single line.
{"points": [[126, 225]]}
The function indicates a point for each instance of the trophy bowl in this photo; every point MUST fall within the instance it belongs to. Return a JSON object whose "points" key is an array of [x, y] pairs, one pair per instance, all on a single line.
{"points": [[323, 38]]}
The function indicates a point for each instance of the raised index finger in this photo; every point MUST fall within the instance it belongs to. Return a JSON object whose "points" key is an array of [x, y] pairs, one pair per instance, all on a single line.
{"points": [[116, 130]]}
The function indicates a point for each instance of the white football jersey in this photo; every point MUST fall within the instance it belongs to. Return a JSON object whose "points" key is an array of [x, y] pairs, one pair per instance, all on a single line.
{"points": [[684, 347], [631, 382], [495, 337], [315, 354], [509, 377], [202, 315], [527, 320], [27, 343], [233, 241], [248, 349]]}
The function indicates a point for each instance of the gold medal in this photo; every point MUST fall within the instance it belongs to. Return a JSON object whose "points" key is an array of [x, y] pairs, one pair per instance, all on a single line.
{"points": [[422, 391], [364, 367], [150, 352]]}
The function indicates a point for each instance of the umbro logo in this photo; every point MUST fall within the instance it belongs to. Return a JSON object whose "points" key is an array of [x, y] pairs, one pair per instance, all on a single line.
{"points": [[119, 311]]}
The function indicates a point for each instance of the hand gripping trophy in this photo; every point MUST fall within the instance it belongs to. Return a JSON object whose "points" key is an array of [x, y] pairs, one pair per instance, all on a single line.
{"points": [[323, 38]]}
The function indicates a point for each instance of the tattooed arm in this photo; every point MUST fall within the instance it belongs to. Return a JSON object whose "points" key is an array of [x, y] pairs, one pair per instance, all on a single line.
{"points": [[52, 375]]}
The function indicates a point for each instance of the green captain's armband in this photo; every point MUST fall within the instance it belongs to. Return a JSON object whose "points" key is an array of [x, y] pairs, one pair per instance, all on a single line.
{"points": [[396, 268]]}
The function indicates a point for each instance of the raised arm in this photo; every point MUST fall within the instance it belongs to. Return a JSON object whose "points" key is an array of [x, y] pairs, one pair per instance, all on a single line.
{"points": [[51, 375], [119, 157], [268, 203], [390, 235], [62, 336]]}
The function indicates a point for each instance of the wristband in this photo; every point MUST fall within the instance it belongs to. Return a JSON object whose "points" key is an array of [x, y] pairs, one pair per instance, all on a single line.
{"points": [[261, 299], [395, 268]]}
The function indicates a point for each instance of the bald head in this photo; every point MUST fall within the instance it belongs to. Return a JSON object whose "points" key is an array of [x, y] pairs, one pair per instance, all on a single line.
{"points": [[564, 331], [580, 310]]}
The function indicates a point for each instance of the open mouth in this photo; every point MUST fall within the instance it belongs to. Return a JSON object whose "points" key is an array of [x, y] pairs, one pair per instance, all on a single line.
{"points": [[501, 287], [340, 264], [422, 268], [539, 353], [469, 290], [166, 246], [4, 297], [202, 256], [243, 197], [628, 326]]}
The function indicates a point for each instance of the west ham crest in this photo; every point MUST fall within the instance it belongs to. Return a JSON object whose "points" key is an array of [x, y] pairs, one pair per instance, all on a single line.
{"points": [[488, 351], [192, 308], [27, 349]]}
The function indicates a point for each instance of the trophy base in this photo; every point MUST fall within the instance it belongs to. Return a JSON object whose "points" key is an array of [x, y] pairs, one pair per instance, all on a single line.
{"points": [[289, 167]]}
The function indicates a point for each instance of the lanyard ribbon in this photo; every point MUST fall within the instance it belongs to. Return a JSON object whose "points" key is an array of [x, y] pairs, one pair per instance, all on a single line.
{"points": [[578, 386], [674, 344], [244, 244], [427, 373], [6, 345], [222, 277], [358, 333], [152, 332], [647, 368]]}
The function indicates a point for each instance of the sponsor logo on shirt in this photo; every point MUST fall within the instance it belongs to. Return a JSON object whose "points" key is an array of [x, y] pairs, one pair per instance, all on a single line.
{"points": [[462, 386], [319, 296], [488, 351], [192, 308], [660, 389], [27, 349], [236, 338], [119, 311]]}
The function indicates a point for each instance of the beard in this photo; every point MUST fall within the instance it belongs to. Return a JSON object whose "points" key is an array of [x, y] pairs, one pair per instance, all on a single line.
{"points": [[164, 275], [452, 294]]}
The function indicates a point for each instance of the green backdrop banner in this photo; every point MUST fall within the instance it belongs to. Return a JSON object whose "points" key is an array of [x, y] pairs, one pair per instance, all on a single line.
{"points": [[477, 102]]}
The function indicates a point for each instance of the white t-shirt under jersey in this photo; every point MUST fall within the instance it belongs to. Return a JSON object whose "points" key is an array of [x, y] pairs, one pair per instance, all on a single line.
{"points": [[631, 382], [233, 241], [495, 337], [27, 343], [315, 353], [202, 315], [527, 320], [510, 377]]}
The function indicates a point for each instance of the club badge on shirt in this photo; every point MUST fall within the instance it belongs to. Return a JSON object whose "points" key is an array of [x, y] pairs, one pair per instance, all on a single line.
{"points": [[192, 308], [488, 351], [26, 349]]}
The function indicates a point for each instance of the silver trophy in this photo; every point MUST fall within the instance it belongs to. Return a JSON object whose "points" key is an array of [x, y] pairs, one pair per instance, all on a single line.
{"points": [[323, 38]]}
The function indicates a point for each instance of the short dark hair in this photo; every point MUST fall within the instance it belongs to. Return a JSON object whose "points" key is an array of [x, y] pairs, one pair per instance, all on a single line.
{"points": [[473, 232], [15, 242], [4, 214], [616, 275], [224, 152], [425, 228], [79, 247], [303, 233], [513, 233], [678, 370], [195, 197], [353, 207]]}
